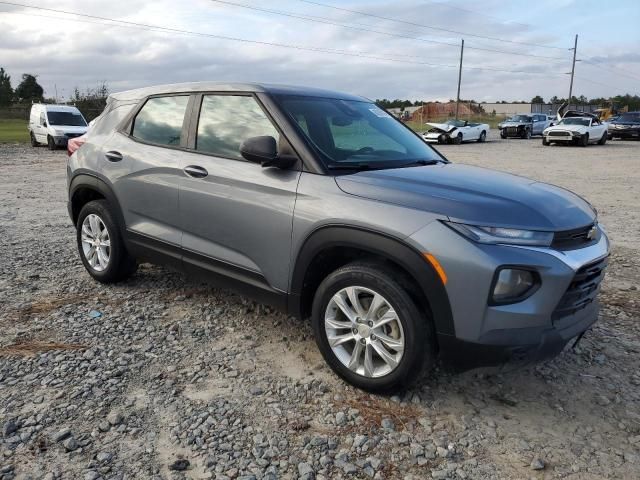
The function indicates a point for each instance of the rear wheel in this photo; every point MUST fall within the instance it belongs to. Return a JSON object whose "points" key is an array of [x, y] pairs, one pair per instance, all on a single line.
{"points": [[100, 245], [369, 329], [51, 143], [483, 137]]}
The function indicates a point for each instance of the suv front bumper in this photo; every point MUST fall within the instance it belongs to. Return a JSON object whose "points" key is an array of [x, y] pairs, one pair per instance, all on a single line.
{"points": [[533, 329]]}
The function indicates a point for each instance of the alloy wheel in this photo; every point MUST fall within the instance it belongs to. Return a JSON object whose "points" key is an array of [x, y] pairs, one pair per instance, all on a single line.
{"points": [[96, 243], [364, 331]]}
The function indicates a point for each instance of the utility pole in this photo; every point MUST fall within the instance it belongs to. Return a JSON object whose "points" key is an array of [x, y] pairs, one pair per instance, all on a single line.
{"points": [[573, 69], [56, 88], [460, 77]]}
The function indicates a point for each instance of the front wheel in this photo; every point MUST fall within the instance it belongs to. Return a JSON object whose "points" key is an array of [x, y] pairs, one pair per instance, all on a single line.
{"points": [[100, 245], [603, 140], [369, 329], [34, 142], [526, 134], [545, 142], [483, 137], [584, 140], [51, 143], [458, 139]]}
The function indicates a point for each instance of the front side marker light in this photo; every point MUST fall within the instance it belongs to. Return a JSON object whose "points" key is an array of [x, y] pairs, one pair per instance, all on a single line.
{"points": [[437, 267]]}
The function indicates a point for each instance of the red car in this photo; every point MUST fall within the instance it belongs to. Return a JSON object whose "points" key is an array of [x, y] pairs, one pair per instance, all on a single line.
{"points": [[75, 143]]}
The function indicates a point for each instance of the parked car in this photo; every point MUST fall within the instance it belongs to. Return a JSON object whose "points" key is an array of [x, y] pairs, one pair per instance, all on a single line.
{"points": [[626, 125], [54, 125], [456, 131], [578, 128], [327, 207], [523, 125]]}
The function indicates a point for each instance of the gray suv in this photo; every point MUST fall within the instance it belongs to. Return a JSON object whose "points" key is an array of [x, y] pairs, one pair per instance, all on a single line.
{"points": [[327, 207]]}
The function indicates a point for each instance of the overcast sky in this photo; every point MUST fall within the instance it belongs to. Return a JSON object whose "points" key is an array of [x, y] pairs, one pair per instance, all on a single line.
{"points": [[64, 52]]}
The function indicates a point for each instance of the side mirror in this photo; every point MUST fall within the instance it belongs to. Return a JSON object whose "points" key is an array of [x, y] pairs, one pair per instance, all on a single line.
{"points": [[264, 150]]}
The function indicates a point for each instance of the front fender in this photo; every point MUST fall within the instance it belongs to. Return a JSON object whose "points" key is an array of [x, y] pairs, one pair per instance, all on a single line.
{"points": [[379, 244]]}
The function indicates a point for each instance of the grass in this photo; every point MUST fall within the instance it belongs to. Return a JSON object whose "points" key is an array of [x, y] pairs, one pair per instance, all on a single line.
{"points": [[12, 131], [421, 127]]}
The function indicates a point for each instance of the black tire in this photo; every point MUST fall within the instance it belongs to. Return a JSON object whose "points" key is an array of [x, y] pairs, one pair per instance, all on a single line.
{"points": [[502, 135], [51, 143], [603, 140], [545, 142], [526, 134], [584, 140], [120, 265], [483, 137], [419, 349], [34, 142], [458, 139]]}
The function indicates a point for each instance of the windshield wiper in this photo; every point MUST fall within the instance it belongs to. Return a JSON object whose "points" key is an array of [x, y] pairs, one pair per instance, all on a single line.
{"points": [[418, 162], [350, 166]]}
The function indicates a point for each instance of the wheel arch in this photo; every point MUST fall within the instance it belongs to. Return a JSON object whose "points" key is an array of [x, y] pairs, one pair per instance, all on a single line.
{"points": [[84, 188], [331, 247]]}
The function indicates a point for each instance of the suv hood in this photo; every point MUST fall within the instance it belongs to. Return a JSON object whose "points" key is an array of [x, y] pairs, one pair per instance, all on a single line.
{"points": [[473, 195]]}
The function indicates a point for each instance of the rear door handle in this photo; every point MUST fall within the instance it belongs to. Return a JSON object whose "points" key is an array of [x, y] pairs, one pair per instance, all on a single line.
{"points": [[195, 171], [113, 156]]}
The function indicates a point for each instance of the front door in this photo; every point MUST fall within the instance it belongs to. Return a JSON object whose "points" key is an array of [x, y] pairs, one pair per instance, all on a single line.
{"points": [[236, 215]]}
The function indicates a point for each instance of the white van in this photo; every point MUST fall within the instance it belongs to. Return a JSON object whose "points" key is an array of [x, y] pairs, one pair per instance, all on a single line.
{"points": [[55, 124]]}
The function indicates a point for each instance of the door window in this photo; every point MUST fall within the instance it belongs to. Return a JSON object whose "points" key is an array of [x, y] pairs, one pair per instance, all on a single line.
{"points": [[160, 120], [228, 120], [42, 118]]}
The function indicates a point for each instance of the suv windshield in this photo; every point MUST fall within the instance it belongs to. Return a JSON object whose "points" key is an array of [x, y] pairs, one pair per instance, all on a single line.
{"points": [[356, 133], [575, 121], [520, 118], [70, 119]]}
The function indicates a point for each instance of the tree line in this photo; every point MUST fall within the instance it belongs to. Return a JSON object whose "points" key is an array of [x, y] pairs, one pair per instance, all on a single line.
{"points": [[90, 102], [633, 101]]}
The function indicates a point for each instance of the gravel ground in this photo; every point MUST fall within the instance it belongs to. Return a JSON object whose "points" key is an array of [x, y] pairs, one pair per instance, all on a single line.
{"points": [[164, 378]]}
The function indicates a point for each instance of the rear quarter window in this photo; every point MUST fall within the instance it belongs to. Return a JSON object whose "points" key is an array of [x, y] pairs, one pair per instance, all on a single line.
{"points": [[160, 120]]}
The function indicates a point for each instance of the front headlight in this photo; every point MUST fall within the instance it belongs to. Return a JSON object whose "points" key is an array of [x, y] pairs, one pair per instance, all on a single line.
{"points": [[494, 235], [576, 134], [58, 133]]}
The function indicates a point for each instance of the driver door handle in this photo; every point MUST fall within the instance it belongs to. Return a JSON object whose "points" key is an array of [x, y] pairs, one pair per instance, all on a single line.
{"points": [[196, 171]]}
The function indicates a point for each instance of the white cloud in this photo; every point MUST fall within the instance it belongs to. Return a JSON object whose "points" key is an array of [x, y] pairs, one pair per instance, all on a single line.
{"points": [[66, 53]]}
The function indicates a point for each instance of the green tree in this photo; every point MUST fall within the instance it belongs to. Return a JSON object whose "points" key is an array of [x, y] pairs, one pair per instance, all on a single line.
{"points": [[29, 88], [537, 99], [6, 91]]}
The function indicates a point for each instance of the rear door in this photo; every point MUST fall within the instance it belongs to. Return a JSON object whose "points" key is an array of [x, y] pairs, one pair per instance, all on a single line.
{"points": [[236, 216], [142, 163]]}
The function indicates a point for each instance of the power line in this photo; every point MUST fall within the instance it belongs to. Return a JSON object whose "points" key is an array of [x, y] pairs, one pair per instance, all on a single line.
{"points": [[622, 72], [406, 22], [599, 83], [158, 28], [328, 21]]}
